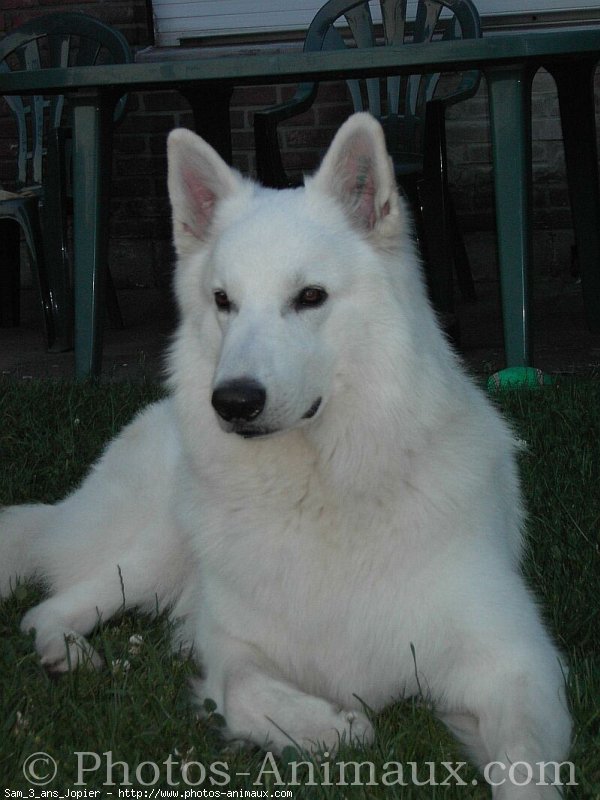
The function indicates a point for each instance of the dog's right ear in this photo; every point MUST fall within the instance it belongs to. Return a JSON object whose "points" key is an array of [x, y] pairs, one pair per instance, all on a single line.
{"points": [[198, 180]]}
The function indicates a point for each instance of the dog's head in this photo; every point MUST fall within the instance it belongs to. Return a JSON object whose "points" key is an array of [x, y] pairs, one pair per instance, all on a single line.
{"points": [[272, 284]]}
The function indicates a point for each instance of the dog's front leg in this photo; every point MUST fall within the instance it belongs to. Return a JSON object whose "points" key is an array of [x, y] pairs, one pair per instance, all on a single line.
{"points": [[261, 706]]}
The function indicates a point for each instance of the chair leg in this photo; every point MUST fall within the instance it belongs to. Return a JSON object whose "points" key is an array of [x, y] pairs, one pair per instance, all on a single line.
{"points": [[439, 256], [436, 208], [53, 212], [462, 267], [269, 166], [438, 244], [574, 83], [427, 205], [28, 218], [214, 127], [408, 188], [10, 306]]}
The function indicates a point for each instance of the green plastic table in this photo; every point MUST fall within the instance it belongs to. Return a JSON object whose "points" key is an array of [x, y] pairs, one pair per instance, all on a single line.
{"points": [[508, 63]]}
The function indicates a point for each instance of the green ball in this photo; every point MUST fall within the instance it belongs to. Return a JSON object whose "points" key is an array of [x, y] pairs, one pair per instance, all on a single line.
{"points": [[518, 377]]}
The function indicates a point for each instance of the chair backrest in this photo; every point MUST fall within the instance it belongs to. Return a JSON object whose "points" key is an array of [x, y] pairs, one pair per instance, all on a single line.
{"points": [[56, 40], [398, 102]]}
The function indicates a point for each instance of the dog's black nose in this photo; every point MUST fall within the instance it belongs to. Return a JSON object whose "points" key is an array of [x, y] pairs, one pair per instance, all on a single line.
{"points": [[242, 399]]}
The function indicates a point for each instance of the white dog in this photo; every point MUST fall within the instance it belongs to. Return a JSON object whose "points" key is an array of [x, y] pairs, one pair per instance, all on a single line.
{"points": [[344, 524]]}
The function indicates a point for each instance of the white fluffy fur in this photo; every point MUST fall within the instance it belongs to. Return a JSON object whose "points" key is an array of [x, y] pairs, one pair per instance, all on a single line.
{"points": [[308, 564]]}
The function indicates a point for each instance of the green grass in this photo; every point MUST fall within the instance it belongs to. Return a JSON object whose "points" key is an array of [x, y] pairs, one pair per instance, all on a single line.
{"points": [[139, 710]]}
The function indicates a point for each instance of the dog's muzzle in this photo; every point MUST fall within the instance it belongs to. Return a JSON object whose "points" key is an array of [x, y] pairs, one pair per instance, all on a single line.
{"points": [[240, 402]]}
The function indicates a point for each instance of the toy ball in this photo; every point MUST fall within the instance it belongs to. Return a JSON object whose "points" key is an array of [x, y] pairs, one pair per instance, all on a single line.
{"points": [[518, 377]]}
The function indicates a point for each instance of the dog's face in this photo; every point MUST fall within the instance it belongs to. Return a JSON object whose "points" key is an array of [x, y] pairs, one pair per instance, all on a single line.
{"points": [[272, 277]]}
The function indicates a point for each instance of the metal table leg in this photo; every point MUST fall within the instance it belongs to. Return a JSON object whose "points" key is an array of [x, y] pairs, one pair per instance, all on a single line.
{"points": [[91, 178], [510, 118]]}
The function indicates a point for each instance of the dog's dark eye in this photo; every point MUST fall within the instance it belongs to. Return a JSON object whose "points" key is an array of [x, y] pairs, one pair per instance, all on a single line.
{"points": [[222, 301], [310, 297]]}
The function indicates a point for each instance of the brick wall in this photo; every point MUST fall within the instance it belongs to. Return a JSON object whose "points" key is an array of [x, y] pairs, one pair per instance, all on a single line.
{"points": [[140, 250]]}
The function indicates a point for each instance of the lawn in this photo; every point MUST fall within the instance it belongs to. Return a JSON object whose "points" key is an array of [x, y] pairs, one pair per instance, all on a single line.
{"points": [[136, 710]]}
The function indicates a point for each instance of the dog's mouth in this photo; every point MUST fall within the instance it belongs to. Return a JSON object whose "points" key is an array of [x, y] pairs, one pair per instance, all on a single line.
{"points": [[246, 431], [254, 433], [313, 409]]}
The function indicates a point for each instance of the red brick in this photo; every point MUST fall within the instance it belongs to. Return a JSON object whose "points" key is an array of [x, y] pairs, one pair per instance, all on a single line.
{"points": [[306, 120], [332, 91], [242, 140], [238, 118], [184, 120], [8, 148], [543, 82], [115, 14], [19, 4], [21, 17], [157, 145], [8, 127], [329, 115], [130, 186], [139, 206], [130, 145], [300, 162], [301, 138], [139, 228], [254, 96], [241, 162], [548, 129], [141, 165], [164, 101], [133, 102], [478, 153], [7, 175]]}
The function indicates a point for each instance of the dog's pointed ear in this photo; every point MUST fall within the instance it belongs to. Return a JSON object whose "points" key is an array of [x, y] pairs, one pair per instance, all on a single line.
{"points": [[198, 180], [358, 172]]}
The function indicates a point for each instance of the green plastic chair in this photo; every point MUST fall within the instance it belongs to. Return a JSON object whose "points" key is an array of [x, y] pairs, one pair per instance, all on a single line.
{"points": [[413, 120], [38, 206]]}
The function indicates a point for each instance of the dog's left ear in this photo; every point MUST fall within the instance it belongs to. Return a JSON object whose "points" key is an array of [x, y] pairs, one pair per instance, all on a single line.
{"points": [[198, 181], [358, 172]]}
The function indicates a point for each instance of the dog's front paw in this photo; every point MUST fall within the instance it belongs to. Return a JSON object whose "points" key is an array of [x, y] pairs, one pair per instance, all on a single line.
{"points": [[75, 652], [60, 650], [67, 652]]}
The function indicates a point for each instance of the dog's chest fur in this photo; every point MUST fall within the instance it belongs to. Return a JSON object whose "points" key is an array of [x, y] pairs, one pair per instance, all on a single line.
{"points": [[319, 566]]}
